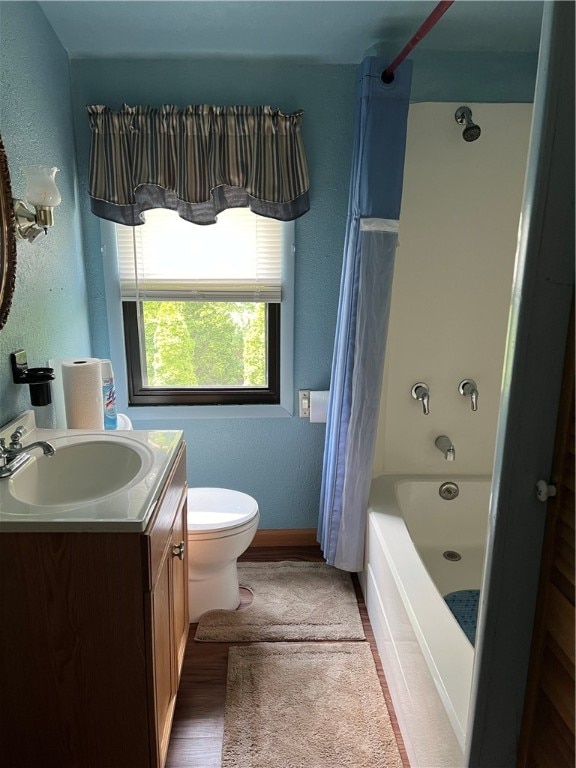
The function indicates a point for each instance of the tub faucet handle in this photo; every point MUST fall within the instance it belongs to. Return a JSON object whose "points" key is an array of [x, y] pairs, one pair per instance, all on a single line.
{"points": [[468, 388], [421, 391]]}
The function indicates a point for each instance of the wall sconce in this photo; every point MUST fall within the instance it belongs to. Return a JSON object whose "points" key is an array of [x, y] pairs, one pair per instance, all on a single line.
{"points": [[35, 214]]}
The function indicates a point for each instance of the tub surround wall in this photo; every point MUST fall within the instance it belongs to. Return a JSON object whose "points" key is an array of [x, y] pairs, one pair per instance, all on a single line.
{"points": [[452, 286], [49, 309], [449, 313]]}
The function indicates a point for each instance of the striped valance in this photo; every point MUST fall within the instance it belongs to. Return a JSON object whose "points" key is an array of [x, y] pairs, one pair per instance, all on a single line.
{"points": [[198, 161]]}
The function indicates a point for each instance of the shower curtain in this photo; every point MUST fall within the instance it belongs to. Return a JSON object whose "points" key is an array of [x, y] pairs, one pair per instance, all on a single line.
{"points": [[363, 311]]}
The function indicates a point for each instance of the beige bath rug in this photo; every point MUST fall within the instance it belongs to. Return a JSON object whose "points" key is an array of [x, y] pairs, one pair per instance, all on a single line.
{"points": [[306, 705], [292, 601]]}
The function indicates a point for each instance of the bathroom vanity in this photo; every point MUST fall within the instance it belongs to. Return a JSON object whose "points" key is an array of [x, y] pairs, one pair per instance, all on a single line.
{"points": [[94, 622]]}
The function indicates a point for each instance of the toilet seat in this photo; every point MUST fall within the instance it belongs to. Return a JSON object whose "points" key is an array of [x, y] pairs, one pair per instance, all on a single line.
{"points": [[225, 533], [219, 511]]}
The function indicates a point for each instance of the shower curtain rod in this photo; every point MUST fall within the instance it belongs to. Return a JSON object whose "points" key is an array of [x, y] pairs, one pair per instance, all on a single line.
{"points": [[435, 16]]}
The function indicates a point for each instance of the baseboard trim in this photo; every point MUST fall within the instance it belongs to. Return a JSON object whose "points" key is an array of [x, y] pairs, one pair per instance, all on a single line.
{"points": [[285, 537]]}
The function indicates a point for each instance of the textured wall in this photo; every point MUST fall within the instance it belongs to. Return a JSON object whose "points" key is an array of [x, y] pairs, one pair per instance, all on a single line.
{"points": [[49, 310], [278, 461]]}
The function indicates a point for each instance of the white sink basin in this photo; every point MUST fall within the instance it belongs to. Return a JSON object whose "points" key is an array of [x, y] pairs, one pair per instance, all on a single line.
{"points": [[97, 480], [80, 471]]}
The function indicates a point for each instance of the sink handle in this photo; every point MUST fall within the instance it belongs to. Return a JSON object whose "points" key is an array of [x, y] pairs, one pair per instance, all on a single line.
{"points": [[178, 550], [15, 437]]}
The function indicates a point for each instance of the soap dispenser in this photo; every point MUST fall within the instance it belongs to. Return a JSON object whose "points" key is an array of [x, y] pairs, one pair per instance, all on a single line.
{"points": [[37, 378]]}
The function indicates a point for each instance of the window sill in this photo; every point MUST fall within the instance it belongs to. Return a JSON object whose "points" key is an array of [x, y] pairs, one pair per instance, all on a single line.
{"points": [[190, 412]]}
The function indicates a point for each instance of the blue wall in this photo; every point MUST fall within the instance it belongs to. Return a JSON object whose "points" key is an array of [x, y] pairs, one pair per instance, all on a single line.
{"points": [[278, 461], [49, 311]]}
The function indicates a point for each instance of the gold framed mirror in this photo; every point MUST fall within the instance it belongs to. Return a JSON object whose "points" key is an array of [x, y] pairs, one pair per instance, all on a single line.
{"points": [[7, 240]]}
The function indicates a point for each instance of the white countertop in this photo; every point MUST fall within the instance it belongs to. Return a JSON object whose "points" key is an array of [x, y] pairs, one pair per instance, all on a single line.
{"points": [[127, 509]]}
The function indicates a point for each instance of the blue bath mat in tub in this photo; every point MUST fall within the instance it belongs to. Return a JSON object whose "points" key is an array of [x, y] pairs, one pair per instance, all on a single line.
{"points": [[464, 606]]}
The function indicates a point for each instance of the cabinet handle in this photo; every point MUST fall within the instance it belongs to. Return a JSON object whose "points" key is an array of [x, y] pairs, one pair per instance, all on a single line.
{"points": [[178, 550]]}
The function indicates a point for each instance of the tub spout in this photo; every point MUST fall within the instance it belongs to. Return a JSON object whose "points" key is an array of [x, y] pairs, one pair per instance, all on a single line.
{"points": [[445, 445]]}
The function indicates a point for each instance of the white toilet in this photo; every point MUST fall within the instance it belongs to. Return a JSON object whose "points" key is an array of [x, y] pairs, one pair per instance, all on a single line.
{"points": [[221, 526]]}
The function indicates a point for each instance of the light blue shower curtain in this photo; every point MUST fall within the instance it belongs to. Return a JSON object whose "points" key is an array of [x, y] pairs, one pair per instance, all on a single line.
{"points": [[363, 311]]}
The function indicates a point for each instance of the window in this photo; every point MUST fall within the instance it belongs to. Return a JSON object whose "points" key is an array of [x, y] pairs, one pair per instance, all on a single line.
{"points": [[201, 309]]}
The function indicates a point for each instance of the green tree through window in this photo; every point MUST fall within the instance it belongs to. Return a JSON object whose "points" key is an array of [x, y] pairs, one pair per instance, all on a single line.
{"points": [[204, 344]]}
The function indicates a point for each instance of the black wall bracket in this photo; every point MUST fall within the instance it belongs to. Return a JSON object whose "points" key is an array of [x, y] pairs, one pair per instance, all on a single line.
{"points": [[38, 378]]}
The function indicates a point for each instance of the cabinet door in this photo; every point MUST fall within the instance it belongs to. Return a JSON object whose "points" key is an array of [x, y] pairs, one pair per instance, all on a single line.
{"points": [[163, 657], [180, 589], [166, 576]]}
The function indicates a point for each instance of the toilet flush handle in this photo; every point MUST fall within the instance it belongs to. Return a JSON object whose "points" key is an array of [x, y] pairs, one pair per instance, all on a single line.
{"points": [[178, 550]]}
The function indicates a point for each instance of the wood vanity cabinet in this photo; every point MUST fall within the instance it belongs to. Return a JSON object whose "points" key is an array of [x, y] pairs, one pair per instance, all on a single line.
{"points": [[93, 628]]}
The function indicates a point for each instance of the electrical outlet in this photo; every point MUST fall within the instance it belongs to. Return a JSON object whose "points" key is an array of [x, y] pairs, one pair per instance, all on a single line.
{"points": [[304, 403]]}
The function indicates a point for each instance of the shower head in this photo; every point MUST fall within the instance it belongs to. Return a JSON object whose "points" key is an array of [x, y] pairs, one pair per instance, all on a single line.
{"points": [[471, 131]]}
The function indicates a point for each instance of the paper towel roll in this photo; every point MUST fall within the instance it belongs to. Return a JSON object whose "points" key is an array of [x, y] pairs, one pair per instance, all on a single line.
{"points": [[82, 384], [319, 405]]}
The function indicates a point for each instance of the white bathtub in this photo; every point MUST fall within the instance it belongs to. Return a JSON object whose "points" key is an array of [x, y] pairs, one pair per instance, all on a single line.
{"points": [[427, 658]]}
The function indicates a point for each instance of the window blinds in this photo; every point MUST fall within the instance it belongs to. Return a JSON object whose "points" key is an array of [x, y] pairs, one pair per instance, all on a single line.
{"points": [[170, 259]]}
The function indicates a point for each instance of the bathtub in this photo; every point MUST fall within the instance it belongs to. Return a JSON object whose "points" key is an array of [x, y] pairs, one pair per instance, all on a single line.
{"points": [[426, 656]]}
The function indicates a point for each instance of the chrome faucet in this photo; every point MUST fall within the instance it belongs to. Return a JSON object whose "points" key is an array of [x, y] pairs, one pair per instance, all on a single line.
{"points": [[468, 388], [421, 391], [15, 455], [444, 444]]}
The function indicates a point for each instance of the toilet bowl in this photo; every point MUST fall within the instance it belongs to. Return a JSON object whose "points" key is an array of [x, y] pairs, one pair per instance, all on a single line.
{"points": [[221, 526]]}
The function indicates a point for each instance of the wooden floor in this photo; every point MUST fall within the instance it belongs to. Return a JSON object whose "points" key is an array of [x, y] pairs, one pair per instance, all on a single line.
{"points": [[196, 739]]}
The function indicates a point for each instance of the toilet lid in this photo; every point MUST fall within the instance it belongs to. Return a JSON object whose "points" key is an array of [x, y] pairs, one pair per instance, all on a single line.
{"points": [[215, 509]]}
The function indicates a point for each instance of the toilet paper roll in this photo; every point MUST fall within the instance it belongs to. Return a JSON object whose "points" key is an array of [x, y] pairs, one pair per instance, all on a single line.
{"points": [[319, 405], [82, 385]]}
